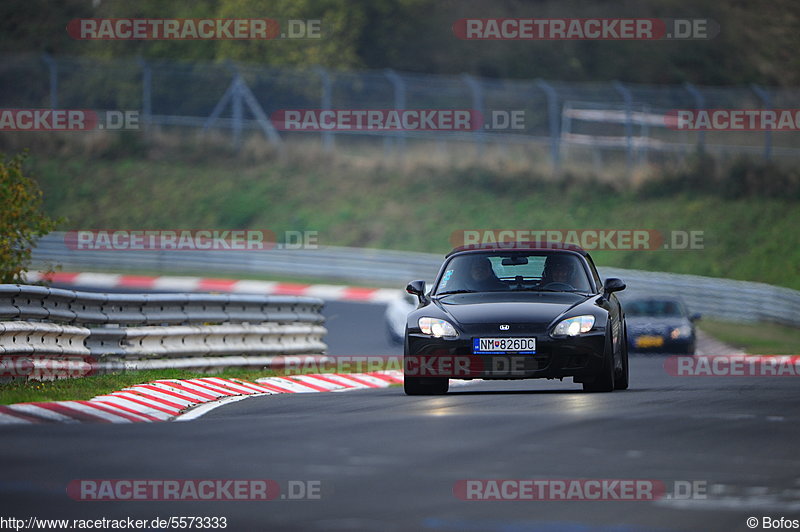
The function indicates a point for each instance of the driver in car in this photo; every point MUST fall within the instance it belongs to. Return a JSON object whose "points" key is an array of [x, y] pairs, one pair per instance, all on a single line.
{"points": [[559, 270], [481, 276]]}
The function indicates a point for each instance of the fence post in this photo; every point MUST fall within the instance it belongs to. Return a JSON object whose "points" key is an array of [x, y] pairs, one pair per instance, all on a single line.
{"points": [[700, 102], [644, 130], [477, 105], [236, 111], [626, 96], [399, 102], [239, 94], [147, 91], [553, 123], [766, 103], [566, 126], [53, 68], [325, 104], [258, 112]]}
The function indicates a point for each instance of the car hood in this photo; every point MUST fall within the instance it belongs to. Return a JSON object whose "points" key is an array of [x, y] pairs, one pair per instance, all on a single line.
{"points": [[530, 307]]}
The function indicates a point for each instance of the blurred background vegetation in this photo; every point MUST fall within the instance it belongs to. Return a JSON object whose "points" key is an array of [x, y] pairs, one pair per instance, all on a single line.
{"points": [[757, 43], [359, 197]]}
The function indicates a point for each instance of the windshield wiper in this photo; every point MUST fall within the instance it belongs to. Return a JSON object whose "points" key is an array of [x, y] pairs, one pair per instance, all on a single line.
{"points": [[462, 291], [537, 289]]}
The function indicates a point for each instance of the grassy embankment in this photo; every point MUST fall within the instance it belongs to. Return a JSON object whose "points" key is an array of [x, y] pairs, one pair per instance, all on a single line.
{"points": [[748, 212]]}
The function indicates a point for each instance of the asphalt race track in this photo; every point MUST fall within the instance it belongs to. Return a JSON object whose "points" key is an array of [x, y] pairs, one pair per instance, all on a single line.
{"points": [[385, 461], [357, 329]]}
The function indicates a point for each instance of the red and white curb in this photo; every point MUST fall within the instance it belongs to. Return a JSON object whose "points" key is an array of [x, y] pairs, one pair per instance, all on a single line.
{"points": [[199, 284], [181, 400]]}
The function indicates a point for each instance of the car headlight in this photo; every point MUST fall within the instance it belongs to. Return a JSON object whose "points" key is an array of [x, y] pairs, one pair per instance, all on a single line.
{"points": [[684, 331], [574, 326], [437, 328]]}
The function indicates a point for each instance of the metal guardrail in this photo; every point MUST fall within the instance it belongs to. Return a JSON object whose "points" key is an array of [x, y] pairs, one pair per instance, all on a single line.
{"points": [[95, 331], [69, 306], [344, 264], [26, 338], [721, 298]]}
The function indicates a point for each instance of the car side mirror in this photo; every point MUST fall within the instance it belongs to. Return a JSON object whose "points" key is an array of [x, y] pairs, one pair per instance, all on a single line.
{"points": [[417, 288], [612, 284], [694, 317]]}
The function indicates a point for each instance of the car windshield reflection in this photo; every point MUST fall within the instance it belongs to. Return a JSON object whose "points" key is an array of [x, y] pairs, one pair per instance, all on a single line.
{"points": [[518, 272]]}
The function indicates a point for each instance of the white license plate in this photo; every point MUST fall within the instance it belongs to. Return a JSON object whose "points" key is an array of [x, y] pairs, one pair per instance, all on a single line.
{"points": [[504, 345]]}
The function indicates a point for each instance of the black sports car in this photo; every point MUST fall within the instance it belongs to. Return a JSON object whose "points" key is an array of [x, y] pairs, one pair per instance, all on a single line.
{"points": [[519, 311], [660, 324]]}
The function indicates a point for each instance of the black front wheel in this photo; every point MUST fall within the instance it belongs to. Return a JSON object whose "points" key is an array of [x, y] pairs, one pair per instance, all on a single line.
{"points": [[604, 380], [623, 374]]}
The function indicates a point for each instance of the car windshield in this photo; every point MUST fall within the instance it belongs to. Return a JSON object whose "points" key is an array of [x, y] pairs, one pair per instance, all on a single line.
{"points": [[654, 308], [514, 271]]}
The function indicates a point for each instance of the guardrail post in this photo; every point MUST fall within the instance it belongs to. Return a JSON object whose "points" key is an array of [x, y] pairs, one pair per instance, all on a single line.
{"points": [[700, 102], [766, 103], [399, 102], [325, 104], [553, 124], [626, 96], [477, 105], [52, 66]]}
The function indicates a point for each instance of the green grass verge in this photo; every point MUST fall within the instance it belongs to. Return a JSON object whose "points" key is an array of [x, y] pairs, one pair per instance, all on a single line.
{"points": [[87, 387], [755, 338], [745, 237]]}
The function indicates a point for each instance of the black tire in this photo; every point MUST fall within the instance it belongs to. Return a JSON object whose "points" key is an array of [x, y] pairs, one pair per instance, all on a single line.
{"points": [[426, 385], [423, 385], [622, 377], [604, 380], [691, 348]]}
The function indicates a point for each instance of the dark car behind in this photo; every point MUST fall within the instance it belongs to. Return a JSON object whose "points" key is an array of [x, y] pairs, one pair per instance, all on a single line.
{"points": [[660, 324]]}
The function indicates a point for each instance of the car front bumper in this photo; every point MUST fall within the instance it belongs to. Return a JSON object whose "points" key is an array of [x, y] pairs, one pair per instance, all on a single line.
{"points": [[577, 356]]}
